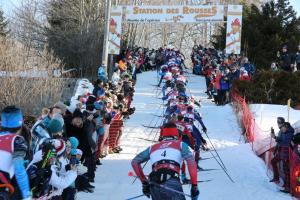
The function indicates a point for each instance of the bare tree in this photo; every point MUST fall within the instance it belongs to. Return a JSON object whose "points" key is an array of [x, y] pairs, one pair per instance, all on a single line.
{"points": [[75, 32]]}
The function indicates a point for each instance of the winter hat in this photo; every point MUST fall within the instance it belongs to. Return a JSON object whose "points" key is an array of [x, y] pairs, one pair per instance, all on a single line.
{"points": [[74, 142], [90, 103], [98, 105], [59, 117], [280, 120], [11, 117], [61, 106], [55, 126], [75, 152], [60, 147]]}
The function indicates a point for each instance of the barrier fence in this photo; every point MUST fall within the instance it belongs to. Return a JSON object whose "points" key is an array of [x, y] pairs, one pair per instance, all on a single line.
{"points": [[264, 146]]}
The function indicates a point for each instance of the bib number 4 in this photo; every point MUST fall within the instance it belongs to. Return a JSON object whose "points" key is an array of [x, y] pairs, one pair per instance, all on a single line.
{"points": [[164, 154]]}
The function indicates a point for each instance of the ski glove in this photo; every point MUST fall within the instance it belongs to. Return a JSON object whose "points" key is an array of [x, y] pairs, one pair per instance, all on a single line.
{"points": [[194, 192], [146, 189]]}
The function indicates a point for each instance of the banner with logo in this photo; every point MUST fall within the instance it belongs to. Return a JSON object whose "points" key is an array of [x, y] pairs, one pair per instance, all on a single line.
{"points": [[234, 29], [174, 14], [115, 30]]}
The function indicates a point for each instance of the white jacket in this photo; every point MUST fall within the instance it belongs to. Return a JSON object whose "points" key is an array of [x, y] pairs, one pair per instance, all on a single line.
{"points": [[62, 182]]}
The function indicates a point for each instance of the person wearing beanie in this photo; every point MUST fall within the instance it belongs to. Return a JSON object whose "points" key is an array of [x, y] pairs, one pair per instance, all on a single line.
{"points": [[90, 103], [59, 117], [280, 121], [74, 142], [99, 89], [40, 128], [55, 127], [88, 146], [13, 149]]}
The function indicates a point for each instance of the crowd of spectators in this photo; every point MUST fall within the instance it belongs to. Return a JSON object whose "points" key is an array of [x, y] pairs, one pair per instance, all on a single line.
{"points": [[220, 70], [64, 147]]}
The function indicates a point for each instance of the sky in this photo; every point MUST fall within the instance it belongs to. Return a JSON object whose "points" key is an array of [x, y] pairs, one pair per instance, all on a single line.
{"points": [[8, 5]]}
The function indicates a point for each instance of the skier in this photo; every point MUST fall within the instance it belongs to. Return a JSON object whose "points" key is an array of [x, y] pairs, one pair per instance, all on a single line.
{"points": [[191, 116], [166, 158], [13, 148]]}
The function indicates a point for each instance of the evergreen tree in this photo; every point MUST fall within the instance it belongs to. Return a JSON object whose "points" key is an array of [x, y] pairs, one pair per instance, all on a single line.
{"points": [[265, 31], [3, 24]]}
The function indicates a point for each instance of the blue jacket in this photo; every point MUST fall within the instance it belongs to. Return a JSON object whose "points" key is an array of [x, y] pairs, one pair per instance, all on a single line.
{"points": [[249, 68], [224, 84], [284, 139]]}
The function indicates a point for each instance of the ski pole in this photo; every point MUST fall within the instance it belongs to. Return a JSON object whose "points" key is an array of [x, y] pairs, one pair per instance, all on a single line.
{"points": [[214, 149], [225, 171], [136, 197], [131, 174], [170, 189]]}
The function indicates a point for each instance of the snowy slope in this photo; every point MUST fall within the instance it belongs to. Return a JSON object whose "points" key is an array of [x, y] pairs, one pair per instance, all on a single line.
{"points": [[247, 170]]}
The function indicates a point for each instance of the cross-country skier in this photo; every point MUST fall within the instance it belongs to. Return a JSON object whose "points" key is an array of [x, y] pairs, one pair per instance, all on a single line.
{"points": [[13, 149], [166, 158], [191, 116]]}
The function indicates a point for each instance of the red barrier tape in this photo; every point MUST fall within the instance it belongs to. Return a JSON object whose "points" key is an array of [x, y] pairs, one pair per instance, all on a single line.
{"points": [[247, 117]]}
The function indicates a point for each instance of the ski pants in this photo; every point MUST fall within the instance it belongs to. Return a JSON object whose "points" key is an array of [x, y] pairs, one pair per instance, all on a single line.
{"points": [[159, 193], [69, 193], [286, 169], [164, 89], [197, 136], [90, 163]]}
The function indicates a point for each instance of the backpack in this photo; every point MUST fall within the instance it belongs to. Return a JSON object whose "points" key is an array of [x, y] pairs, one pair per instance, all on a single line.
{"points": [[39, 173]]}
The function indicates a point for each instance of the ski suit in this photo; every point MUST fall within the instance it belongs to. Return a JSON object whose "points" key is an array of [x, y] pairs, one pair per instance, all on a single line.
{"points": [[13, 149], [166, 158]]}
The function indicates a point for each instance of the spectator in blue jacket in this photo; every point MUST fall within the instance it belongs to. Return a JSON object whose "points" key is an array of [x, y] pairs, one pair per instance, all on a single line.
{"points": [[248, 67], [224, 87], [281, 153], [99, 90]]}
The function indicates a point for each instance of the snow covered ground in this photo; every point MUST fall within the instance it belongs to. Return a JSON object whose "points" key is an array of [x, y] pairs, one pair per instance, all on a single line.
{"points": [[246, 169]]}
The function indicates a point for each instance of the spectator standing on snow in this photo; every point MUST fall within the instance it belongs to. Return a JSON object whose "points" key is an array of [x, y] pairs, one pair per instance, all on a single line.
{"points": [[281, 153]]}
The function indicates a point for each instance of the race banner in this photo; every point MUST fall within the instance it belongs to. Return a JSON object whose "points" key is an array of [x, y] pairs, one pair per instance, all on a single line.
{"points": [[115, 30], [234, 29], [174, 14]]}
